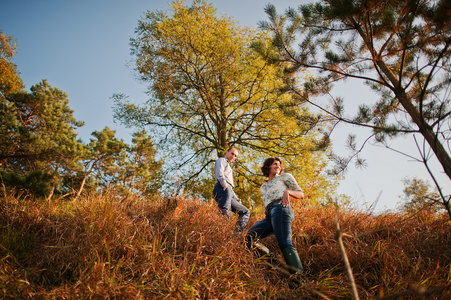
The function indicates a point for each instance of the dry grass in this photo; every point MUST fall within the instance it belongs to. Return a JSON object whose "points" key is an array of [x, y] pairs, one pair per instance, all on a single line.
{"points": [[102, 248]]}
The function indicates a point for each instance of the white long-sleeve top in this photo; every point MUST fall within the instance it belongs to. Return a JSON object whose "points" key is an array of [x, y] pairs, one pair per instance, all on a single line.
{"points": [[223, 172], [273, 190]]}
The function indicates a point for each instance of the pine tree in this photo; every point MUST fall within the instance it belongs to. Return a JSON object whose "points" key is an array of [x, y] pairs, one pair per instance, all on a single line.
{"points": [[400, 49]]}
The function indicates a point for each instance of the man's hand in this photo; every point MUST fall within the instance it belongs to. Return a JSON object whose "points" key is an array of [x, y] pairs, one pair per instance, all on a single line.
{"points": [[225, 187]]}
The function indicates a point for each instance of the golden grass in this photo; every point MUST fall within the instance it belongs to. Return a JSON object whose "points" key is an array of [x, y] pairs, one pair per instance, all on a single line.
{"points": [[100, 247]]}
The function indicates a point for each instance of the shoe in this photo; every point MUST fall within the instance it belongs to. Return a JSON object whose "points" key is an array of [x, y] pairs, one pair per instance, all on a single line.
{"points": [[292, 259]]}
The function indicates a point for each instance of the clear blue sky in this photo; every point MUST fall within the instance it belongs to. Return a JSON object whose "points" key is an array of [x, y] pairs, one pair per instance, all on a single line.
{"points": [[81, 47]]}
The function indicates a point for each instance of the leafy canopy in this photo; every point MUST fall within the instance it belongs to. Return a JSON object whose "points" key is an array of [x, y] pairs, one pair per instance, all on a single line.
{"points": [[10, 80], [208, 90]]}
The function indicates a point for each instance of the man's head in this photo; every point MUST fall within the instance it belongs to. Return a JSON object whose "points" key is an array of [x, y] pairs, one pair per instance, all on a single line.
{"points": [[231, 154]]}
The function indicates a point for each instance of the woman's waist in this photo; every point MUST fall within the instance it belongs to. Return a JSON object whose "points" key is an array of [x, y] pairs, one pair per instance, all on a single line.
{"points": [[272, 201], [271, 204]]}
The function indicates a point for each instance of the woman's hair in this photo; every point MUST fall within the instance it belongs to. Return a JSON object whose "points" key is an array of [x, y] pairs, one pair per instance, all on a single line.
{"points": [[267, 165]]}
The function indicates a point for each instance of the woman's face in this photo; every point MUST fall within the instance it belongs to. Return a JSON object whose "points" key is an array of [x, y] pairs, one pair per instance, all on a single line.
{"points": [[275, 168]]}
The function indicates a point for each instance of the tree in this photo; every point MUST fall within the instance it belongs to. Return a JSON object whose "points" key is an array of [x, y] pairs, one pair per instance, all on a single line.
{"points": [[209, 91], [37, 132], [401, 49], [141, 172], [100, 157], [10, 80], [37, 128], [418, 196], [110, 164]]}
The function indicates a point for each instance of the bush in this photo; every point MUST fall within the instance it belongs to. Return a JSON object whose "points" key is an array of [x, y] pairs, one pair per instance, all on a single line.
{"points": [[36, 183]]}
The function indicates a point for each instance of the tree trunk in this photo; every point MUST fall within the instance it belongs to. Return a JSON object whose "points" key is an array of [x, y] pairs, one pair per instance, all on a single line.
{"points": [[84, 181], [51, 192], [132, 182], [425, 129], [81, 186]]}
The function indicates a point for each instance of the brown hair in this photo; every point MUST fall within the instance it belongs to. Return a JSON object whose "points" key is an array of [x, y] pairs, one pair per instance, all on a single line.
{"points": [[267, 165]]}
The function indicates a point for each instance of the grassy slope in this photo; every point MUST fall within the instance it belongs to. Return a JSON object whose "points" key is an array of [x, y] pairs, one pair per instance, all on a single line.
{"points": [[100, 248]]}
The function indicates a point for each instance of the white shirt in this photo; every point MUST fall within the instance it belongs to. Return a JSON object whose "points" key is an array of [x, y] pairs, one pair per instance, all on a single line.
{"points": [[273, 190], [223, 172]]}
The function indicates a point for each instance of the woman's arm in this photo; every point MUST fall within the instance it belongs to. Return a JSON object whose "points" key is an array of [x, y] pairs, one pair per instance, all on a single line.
{"points": [[295, 194], [286, 196]]}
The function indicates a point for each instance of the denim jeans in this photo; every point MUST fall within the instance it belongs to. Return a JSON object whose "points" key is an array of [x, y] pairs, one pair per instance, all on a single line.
{"points": [[278, 222], [227, 203]]}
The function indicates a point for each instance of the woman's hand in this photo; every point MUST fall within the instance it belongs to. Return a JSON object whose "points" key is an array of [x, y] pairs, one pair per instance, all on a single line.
{"points": [[285, 198]]}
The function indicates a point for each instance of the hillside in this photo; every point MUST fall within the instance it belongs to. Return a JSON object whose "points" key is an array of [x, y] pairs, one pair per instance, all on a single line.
{"points": [[100, 247]]}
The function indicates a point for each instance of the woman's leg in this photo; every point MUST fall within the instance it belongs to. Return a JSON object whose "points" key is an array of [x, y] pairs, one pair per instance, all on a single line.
{"points": [[259, 230], [281, 220]]}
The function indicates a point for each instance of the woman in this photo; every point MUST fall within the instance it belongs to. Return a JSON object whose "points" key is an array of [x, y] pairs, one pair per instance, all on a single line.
{"points": [[276, 192]]}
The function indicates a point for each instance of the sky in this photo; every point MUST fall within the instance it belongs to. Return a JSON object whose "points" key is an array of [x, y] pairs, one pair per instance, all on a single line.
{"points": [[82, 48]]}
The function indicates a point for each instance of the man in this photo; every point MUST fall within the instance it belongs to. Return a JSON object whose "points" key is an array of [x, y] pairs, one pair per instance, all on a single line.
{"points": [[223, 190]]}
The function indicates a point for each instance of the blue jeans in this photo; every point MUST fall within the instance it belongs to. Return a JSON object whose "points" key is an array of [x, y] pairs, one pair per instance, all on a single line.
{"points": [[227, 202], [278, 222]]}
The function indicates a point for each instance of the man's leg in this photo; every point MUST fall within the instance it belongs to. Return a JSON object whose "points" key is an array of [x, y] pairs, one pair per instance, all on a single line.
{"points": [[223, 198], [243, 213]]}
